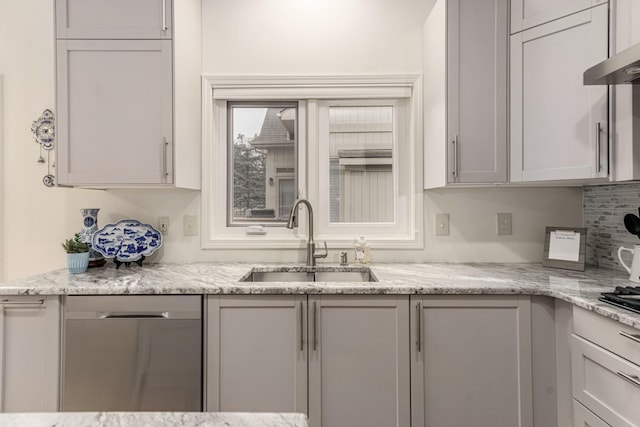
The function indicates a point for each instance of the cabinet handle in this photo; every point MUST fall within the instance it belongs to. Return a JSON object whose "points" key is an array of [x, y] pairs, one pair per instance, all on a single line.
{"points": [[165, 148], [633, 379], [301, 327], [455, 156], [598, 129], [315, 335], [633, 337], [418, 328], [10, 302], [164, 15]]}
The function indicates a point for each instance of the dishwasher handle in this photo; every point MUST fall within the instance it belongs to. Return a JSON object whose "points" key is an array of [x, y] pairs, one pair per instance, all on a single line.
{"points": [[132, 315]]}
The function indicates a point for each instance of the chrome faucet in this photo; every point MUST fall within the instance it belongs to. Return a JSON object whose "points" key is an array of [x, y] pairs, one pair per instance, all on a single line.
{"points": [[311, 244]]}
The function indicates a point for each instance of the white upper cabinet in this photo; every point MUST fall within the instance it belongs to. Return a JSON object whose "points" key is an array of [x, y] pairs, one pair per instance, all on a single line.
{"points": [[114, 103], [559, 127], [626, 107], [114, 19], [530, 13], [128, 93], [466, 92]]}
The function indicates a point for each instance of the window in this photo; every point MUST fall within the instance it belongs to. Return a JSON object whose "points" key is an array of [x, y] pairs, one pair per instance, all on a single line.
{"points": [[361, 182], [262, 162], [350, 145]]}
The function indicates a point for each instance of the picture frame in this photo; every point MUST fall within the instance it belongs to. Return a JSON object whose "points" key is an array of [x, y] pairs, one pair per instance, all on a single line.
{"points": [[565, 248]]}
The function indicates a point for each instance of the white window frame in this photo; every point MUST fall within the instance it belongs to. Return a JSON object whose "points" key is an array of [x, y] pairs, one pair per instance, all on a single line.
{"points": [[311, 92], [397, 228]]}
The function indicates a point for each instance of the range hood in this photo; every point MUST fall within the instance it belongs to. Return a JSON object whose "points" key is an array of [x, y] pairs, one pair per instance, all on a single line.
{"points": [[623, 68]]}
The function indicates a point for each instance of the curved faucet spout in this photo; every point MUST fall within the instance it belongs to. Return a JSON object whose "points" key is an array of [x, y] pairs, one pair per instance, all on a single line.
{"points": [[294, 214], [311, 245]]}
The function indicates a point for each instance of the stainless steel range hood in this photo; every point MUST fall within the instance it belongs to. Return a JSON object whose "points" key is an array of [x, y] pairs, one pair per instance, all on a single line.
{"points": [[623, 68]]}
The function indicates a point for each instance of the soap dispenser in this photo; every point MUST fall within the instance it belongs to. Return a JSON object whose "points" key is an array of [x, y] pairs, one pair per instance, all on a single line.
{"points": [[362, 251]]}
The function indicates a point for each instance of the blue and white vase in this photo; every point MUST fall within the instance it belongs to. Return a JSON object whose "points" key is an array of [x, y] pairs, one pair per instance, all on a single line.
{"points": [[90, 226]]}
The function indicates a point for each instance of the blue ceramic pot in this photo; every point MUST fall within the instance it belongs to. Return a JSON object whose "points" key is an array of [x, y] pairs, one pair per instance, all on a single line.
{"points": [[78, 263]]}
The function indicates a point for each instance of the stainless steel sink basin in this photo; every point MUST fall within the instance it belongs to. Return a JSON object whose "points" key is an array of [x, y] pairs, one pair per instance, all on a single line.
{"points": [[307, 274]]}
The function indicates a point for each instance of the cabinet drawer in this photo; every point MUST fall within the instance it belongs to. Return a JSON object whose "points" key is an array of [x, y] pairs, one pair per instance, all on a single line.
{"points": [[605, 383], [582, 417], [614, 336]]}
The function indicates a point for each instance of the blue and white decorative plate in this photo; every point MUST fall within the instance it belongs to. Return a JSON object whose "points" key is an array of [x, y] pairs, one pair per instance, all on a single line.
{"points": [[127, 241]]}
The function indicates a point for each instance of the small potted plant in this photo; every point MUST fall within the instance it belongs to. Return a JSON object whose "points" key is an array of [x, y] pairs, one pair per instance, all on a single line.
{"points": [[77, 254]]}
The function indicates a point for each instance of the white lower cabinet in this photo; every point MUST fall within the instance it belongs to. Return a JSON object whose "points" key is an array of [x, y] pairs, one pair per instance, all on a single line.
{"points": [[582, 417], [358, 354], [351, 352], [256, 353], [606, 383], [606, 369], [30, 353], [471, 361]]}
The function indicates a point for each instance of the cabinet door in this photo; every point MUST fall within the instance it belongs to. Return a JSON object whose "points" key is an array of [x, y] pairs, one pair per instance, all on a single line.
{"points": [[582, 417], [358, 361], [114, 19], [605, 383], [530, 13], [626, 100], [257, 357], [477, 90], [29, 356], [465, 92], [114, 104], [559, 127], [471, 361]]}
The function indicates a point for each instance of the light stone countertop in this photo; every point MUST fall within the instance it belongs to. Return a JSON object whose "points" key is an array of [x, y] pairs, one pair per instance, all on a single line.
{"points": [[152, 419], [579, 288]]}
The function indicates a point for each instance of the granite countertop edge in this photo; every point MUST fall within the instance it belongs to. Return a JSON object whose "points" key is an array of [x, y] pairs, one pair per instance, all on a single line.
{"points": [[576, 287], [157, 419]]}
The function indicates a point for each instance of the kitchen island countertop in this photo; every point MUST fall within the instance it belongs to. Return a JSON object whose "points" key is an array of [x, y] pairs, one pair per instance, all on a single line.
{"points": [[155, 419], [576, 287]]}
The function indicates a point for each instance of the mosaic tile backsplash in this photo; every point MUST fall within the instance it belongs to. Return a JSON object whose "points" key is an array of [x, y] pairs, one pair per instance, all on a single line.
{"points": [[604, 209]]}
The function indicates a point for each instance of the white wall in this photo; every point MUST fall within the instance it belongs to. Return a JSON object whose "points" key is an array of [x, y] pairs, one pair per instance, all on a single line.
{"points": [[277, 37], [312, 36], [1, 177], [473, 225]]}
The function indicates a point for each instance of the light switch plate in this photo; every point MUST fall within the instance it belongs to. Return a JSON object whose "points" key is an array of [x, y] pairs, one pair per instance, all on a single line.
{"points": [[442, 224], [503, 224], [190, 225], [163, 224]]}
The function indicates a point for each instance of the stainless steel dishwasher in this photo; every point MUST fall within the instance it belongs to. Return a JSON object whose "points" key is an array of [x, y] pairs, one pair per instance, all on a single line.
{"points": [[132, 353]]}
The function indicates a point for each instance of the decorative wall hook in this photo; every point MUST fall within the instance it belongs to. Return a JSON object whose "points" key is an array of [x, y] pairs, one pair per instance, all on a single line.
{"points": [[44, 133], [44, 130]]}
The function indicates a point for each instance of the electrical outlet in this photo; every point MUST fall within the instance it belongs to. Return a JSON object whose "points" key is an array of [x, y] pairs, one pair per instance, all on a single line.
{"points": [[503, 224], [442, 224], [190, 225], [163, 224]]}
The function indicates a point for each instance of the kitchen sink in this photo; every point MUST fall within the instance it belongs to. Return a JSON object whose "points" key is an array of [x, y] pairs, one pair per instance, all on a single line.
{"points": [[310, 274]]}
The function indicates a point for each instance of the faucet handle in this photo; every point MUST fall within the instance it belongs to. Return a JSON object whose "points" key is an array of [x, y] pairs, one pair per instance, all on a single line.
{"points": [[324, 255], [343, 259]]}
